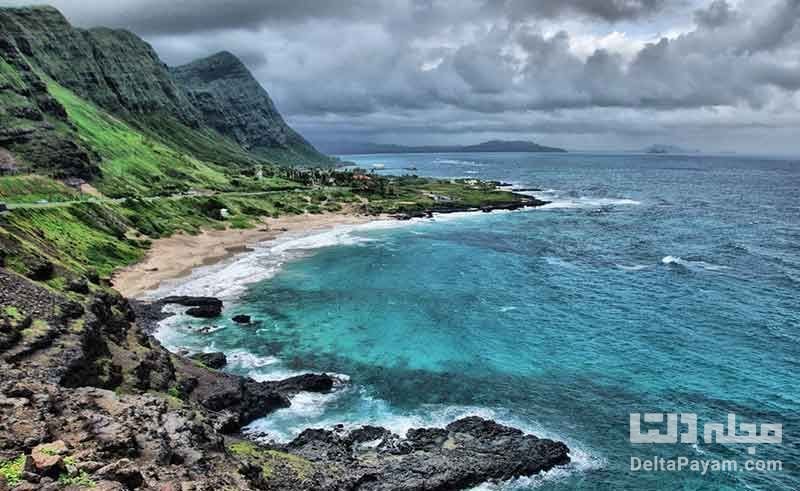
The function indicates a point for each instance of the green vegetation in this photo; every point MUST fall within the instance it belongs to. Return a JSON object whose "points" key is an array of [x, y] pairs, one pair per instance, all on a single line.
{"points": [[411, 194], [13, 313], [11, 470], [10, 77], [103, 235], [34, 188], [273, 461], [133, 162], [80, 237], [80, 478]]}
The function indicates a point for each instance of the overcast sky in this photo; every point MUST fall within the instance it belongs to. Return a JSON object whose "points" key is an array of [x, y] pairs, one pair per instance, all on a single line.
{"points": [[584, 74]]}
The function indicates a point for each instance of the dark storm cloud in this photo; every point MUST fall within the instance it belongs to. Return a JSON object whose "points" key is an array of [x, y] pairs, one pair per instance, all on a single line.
{"points": [[608, 10], [719, 13], [186, 16]]}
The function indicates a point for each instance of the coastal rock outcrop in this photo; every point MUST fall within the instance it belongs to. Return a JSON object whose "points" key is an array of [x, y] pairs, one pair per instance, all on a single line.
{"points": [[87, 395], [464, 454], [215, 360], [202, 307]]}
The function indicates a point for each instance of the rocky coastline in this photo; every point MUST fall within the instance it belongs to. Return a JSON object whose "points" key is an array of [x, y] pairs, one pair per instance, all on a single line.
{"points": [[89, 397]]}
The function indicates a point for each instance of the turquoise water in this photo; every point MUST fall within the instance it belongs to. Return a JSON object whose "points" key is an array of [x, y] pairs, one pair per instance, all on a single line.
{"points": [[651, 284]]}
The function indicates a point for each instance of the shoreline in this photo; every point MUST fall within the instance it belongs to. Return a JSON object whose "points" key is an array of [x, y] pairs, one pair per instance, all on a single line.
{"points": [[177, 256]]}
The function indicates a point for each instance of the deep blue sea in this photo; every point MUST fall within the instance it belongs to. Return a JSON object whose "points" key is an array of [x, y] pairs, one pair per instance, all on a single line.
{"points": [[652, 283]]}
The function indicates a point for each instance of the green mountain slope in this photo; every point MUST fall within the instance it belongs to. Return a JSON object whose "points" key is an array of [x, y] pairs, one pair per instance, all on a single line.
{"points": [[122, 76]]}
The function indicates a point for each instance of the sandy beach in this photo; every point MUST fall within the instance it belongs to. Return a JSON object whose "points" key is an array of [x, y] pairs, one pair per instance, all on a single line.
{"points": [[176, 256]]}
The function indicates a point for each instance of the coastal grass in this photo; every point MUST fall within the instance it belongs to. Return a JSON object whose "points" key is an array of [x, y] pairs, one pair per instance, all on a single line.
{"points": [[11, 470], [134, 163], [273, 461], [80, 237], [80, 479], [34, 188], [10, 77]]}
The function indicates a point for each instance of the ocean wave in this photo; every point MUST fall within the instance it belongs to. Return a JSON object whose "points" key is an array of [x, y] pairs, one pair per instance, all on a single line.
{"points": [[560, 200], [246, 361], [580, 462], [635, 267], [689, 264], [585, 202], [557, 261], [457, 162]]}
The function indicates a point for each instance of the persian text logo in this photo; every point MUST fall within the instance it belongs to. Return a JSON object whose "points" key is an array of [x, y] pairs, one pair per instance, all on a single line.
{"points": [[771, 433]]}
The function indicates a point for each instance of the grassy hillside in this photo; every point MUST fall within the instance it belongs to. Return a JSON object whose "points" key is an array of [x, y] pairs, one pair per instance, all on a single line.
{"points": [[132, 162], [34, 188]]}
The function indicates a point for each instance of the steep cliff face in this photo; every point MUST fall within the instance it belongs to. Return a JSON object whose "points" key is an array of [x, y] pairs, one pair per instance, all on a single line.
{"points": [[33, 125], [112, 68], [232, 102], [212, 110]]}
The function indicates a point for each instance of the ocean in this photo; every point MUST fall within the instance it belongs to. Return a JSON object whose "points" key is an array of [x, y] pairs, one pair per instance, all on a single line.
{"points": [[651, 283]]}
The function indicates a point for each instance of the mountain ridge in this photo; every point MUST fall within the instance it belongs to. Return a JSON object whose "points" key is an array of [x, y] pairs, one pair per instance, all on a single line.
{"points": [[344, 148], [120, 73], [231, 101]]}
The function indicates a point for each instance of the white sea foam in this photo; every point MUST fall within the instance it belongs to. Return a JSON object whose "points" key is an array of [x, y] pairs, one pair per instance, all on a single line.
{"points": [[230, 278], [678, 261], [584, 202], [557, 261], [580, 462], [635, 267], [245, 360], [558, 200], [456, 162]]}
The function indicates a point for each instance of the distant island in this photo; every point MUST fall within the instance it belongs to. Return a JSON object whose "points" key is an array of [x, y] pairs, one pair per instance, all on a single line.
{"points": [[661, 148], [344, 148]]}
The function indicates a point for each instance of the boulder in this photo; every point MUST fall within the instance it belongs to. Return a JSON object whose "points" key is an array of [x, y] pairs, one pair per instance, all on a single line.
{"points": [[123, 471], [203, 307], [307, 382], [204, 311], [211, 360], [241, 319], [78, 285], [48, 456]]}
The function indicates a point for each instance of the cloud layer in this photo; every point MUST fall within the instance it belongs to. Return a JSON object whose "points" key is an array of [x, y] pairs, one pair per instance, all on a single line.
{"points": [[580, 73]]}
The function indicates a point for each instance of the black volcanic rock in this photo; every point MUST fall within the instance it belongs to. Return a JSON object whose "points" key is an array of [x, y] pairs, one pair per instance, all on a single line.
{"points": [[241, 319], [215, 360], [465, 453], [231, 101], [202, 307]]}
